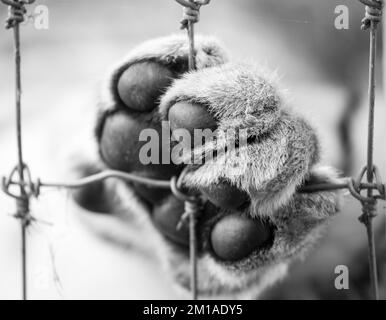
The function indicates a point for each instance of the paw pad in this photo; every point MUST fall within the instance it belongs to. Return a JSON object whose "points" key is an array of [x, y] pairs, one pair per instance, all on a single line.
{"points": [[141, 85]]}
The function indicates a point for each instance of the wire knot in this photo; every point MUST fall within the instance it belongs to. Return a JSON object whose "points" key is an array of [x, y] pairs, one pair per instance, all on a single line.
{"points": [[368, 202], [28, 189], [192, 203], [369, 211], [22, 211], [191, 11], [355, 186], [373, 13], [191, 210], [16, 11]]}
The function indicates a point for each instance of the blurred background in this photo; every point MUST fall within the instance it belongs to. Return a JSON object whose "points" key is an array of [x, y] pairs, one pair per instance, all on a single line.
{"points": [[324, 70]]}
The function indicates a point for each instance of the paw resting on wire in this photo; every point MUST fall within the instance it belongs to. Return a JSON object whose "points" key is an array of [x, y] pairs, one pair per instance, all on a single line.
{"points": [[261, 223], [253, 222]]}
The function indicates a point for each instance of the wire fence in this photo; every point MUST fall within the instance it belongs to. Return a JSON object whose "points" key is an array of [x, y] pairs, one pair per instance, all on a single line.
{"points": [[367, 187]]}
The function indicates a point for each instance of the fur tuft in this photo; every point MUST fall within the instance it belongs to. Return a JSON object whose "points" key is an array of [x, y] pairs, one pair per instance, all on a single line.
{"points": [[238, 96]]}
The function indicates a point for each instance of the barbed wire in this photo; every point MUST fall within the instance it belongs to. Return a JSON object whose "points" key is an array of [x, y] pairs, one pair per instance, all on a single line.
{"points": [[190, 16], [192, 209], [20, 176], [372, 18], [16, 11]]}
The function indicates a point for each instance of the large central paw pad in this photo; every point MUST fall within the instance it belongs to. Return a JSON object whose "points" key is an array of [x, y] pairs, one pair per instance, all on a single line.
{"points": [[247, 152]]}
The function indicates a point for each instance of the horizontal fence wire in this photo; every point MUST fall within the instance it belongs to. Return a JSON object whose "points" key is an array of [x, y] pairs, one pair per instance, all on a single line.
{"points": [[36, 187]]}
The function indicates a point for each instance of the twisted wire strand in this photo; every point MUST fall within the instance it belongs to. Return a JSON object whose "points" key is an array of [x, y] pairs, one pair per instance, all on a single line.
{"points": [[190, 16], [191, 11], [16, 11], [373, 13]]}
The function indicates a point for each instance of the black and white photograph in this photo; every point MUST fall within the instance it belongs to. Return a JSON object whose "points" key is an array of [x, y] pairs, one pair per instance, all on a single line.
{"points": [[192, 150]]}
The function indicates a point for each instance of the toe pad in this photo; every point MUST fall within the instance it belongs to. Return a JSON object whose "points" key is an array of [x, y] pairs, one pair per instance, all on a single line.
{"points": [[141, 85], [235, 237]]}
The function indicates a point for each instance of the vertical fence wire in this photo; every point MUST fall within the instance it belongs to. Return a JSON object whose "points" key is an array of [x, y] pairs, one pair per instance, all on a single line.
{"points": [[371, 21], [21, 213], [370, 162], [192, 58], [192, 218]]}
